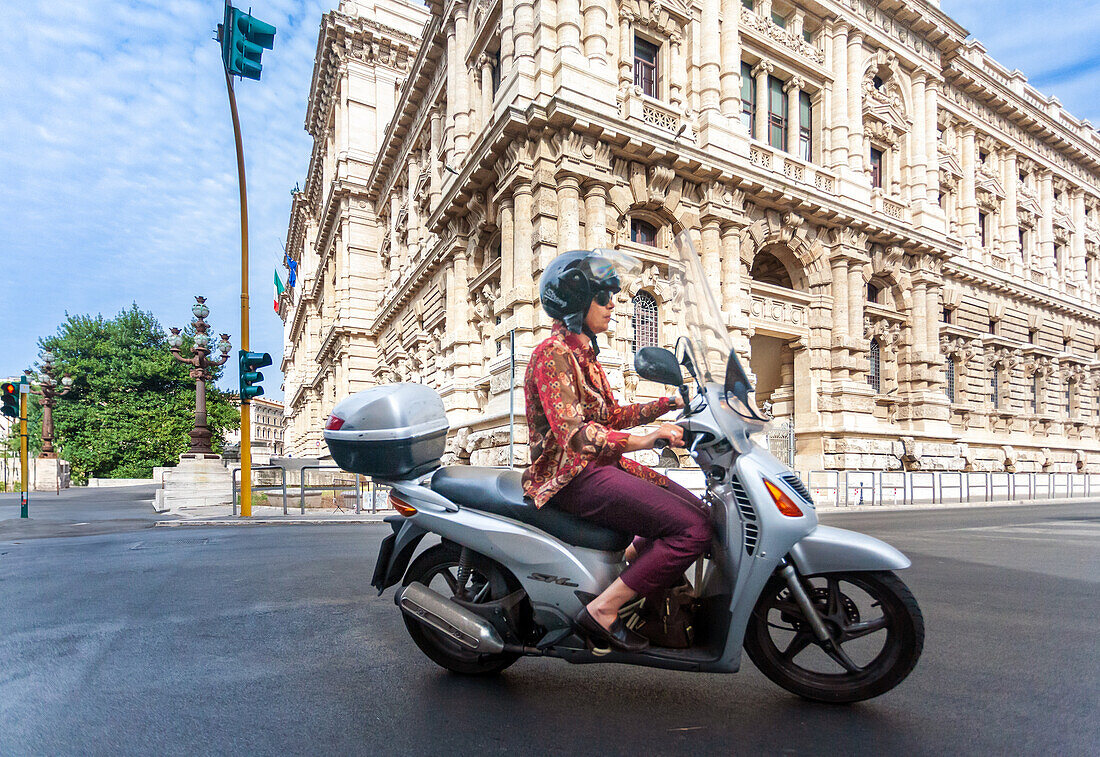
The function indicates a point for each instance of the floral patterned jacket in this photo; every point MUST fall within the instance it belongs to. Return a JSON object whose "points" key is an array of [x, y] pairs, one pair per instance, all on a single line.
{"points": [[573, 418]]}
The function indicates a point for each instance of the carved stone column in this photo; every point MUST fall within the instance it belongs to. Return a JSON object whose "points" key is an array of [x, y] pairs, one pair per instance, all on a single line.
{"points": [[507, 35], [677, 74], [761, 72], [968, 202], [486, 111], [710, 56], [626, 47], [730, 77], [413, 177], [1077, 241], [525, 36], [931, 136], [918, 142], [569, 29], [522, 263], [461, 75], [839, 158], [839, 265], [918, 313], [435, 188], [1010, 177], [1046, 224], [857, 298], [711, 253], [855, 100], [595, 33], [731, 270], [569, 213], [793, 88], [452, 96], [595, 222], [507, 244]]}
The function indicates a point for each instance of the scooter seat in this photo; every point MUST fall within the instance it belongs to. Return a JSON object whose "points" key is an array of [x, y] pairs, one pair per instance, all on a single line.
{"points": [[500, 491]]}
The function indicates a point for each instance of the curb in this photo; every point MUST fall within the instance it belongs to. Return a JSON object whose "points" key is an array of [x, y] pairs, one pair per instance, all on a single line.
{"points": [[263, 522], [956, 505]]}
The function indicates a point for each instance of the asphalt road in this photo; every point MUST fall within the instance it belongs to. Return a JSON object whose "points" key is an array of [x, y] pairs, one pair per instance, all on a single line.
{"points": [[268, 640]]}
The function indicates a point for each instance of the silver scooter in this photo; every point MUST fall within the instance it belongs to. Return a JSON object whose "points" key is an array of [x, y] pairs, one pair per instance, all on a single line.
{"points": [[818, 609]]}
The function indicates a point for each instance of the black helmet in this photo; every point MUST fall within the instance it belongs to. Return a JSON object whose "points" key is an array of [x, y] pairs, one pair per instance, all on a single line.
{"points": [[571, 281]]}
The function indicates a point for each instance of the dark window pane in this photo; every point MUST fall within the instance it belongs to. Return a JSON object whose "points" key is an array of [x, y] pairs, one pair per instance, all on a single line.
{"points": [[949, 379], [805, 127], [645, 321], [645, 66], [748, 99], [777, 114], [874, 375], [643, 232], [876, 167]]}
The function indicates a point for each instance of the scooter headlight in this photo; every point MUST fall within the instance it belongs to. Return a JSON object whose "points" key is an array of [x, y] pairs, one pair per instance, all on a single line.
{"points": [[785, 504]]}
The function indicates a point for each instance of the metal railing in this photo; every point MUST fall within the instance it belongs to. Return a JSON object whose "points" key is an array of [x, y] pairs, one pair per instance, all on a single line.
{"points": [[312, 487], [853, 488]]}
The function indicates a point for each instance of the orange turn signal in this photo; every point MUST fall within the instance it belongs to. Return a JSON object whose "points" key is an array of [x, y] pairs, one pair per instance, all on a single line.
{"points": [[785, 504], [400, 505]]}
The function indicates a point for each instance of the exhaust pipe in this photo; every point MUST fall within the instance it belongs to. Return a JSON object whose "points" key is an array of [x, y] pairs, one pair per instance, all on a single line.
{"points": [[436, 611]]}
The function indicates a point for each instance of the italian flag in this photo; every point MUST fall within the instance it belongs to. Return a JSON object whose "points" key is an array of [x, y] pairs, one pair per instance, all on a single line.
{"points": [[279, 289]]}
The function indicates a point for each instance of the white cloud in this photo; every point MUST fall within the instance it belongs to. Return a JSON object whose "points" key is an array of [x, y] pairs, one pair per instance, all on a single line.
{"points": [[120, 177]]}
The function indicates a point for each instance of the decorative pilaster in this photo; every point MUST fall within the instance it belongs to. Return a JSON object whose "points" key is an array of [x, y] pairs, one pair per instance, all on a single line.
{"points": [[931, 136], [1046, 224], [731, 270], [918, 141]]}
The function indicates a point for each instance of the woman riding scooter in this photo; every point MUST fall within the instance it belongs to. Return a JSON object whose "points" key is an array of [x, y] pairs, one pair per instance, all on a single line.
{"points": [[577, 444]]}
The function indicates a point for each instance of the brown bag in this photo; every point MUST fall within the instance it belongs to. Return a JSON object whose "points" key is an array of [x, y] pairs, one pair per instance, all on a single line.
{"points": [[667, 617]]}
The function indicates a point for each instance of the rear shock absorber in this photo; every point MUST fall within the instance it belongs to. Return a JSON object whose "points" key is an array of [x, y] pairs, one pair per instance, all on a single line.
{"points": [[465, 558]]}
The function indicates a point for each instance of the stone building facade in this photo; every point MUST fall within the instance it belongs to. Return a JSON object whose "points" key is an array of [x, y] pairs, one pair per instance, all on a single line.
{"points": [[904, 234], [268, 428]]}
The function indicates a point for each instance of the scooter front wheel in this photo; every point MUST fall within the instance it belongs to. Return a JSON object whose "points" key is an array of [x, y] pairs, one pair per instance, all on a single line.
{"points": [[876, 636]]}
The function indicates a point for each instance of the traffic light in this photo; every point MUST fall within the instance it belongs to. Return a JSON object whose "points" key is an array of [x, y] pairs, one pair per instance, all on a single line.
{"points": [[11, 399], [244, 39], [250, 376]]}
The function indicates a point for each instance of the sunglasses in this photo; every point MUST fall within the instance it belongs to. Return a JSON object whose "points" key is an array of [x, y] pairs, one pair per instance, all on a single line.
{"points": [[603, 297]]}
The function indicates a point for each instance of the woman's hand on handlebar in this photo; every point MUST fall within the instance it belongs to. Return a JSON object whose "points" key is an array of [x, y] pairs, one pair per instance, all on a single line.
{"points": [[669, 433]]}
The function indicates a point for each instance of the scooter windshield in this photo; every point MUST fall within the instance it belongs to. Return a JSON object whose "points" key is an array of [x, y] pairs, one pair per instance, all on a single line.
{"points": [[693, 298]]}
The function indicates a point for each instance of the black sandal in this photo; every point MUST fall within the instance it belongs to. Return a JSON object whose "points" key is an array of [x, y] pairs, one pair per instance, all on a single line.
{"points": [[617, 637]]}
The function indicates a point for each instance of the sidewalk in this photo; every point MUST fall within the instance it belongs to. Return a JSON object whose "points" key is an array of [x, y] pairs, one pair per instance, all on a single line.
{"points": [[269, 516]]}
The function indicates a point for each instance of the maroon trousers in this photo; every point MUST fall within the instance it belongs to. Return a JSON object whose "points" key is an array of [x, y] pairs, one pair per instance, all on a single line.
{"points": [[673, 525]]}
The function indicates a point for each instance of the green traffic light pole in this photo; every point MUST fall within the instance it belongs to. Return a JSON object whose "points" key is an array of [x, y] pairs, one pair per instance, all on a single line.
{"points": [[243, 40]]}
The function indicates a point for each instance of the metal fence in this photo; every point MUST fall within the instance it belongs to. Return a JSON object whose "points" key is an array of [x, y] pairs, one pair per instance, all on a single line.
{"points": [[321, 487], [853, 488], [781, 441]]}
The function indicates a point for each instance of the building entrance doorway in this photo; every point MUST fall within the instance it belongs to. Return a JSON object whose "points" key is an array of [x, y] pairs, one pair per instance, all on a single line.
{"points": [[772, 362]]}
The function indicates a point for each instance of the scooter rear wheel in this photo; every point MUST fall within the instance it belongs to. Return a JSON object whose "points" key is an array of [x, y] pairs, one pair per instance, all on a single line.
{"points": [[437, 568], [872, 617]]}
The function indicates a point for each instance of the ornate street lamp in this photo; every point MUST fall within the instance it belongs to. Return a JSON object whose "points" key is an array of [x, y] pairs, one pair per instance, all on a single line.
{"points": [[48, 391], [200, 371]]}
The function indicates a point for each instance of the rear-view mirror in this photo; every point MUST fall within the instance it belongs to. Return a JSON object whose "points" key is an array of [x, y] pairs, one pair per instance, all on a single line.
{"points": [[658, 364]]}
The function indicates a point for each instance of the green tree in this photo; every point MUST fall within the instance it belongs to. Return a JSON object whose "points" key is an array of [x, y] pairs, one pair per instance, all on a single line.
{"points": [[132, 406]]}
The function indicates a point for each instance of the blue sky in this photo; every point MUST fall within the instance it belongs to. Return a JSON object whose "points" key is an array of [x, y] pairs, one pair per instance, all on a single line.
{"points": [[116, 151]]}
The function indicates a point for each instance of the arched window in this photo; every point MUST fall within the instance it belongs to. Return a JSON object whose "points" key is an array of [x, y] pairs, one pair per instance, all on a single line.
{"points": [[950, 379], [645, 321], [768, 269], [874, 375], [643, 232]]}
